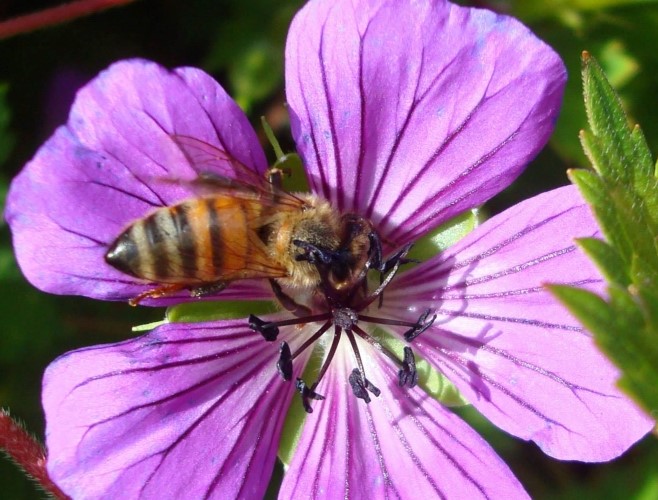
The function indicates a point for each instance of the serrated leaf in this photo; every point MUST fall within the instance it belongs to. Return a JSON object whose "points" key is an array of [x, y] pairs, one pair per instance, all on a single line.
{"points": [[621, 330], [607, 259], [594, 190], [619, 146]]}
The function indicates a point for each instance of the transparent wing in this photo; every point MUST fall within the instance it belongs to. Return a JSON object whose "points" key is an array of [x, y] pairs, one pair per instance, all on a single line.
{"points": [[220, 173]]}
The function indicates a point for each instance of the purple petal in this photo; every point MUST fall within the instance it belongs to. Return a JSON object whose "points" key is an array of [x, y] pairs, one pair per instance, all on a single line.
{"points": [[508, 345], [403, 444], [190, 411], [113, 163], [412, 112]]}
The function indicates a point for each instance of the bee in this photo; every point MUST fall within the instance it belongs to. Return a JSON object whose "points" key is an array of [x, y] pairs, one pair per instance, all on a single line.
{"points": [[244, 226]]}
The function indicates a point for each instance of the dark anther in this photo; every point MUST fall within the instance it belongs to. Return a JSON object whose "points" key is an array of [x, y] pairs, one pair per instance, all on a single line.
{"points": [[317, 255], [421, 325], [345, 318], [408, 375], [361, 386], [284, 365], [307, 394], [268, 330]]}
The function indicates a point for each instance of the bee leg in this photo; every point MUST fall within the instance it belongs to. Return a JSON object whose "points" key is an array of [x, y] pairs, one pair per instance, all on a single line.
{"points": [[375, 251], [275, 177], [318, 255], [288, 302], [203, 290], [156, 293]]}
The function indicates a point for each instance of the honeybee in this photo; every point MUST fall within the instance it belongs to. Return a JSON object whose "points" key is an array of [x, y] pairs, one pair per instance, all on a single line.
{"points": [[244, 226]]}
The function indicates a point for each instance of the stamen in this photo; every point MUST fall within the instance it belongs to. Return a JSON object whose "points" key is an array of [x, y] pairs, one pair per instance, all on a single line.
{"points": [[270, 329], [357, 378], [421, 325], [301, 385], [307, 394], [312, 339], [416, 328], [408, 375], [361, 386], [267, 329]]}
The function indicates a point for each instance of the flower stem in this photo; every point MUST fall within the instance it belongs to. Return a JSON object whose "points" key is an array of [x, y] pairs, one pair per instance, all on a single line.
{"points": [[26, 452], [55, 15]]}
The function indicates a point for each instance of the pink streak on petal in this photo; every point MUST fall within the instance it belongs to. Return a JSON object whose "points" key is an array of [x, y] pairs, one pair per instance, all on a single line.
{"points": [[508, 345], [189, 411], [401, 445], [413, 112]]}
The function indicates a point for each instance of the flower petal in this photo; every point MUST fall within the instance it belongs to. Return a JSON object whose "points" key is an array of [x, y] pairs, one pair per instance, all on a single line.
{"points": [[447, 103], [113, 163], [403, 444], [190, 411], [512, 350]]}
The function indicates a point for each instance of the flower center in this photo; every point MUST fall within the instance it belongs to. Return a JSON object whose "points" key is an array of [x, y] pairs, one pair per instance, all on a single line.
{"points": [[343, 310]]}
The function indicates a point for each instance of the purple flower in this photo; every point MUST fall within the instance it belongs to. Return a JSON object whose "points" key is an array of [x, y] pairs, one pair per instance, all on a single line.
{"points": [[407, 113]]}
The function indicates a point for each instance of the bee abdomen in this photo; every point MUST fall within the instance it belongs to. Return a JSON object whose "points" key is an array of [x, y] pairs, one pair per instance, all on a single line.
{"points": [[148, 248], [188, 243]]}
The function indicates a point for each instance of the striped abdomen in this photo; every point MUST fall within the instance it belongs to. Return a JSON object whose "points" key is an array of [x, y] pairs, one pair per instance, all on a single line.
{"points": [[198, 241]]}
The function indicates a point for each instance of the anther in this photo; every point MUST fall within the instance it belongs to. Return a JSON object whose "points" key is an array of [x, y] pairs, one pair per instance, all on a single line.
{"points": [[361, 386], [421, 325], [307, 394], [268, 330], [408, 375], [284, 365]]}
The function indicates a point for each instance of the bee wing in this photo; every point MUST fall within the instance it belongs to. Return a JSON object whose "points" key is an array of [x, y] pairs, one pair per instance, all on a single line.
{"points": [[221, 173]]}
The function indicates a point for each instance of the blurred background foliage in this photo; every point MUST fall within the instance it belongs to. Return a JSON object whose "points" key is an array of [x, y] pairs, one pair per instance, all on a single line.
{"points": [[241, 44]]}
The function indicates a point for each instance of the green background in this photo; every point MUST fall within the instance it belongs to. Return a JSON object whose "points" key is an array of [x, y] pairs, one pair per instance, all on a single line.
{"points": [[241, 44]]}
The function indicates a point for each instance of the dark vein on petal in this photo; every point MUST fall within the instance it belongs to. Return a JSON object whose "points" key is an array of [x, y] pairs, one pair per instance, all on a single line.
{"points": [[161, 201], [440, 272], [511, 270], [512, 293], [122, 191], [166, 366], [79, 234], [410, 452], [324, 186], [338, 191], [378, 450], [98, 279], [164, 453], [507, 319], [450, 186], [332, 423], [479, 375], [362, 130], [171, 397], [502, 353], [274, 407], [417, 100]]}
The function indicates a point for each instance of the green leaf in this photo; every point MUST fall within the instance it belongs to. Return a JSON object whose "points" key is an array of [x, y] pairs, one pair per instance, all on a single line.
{"points": [[445, 235], [196, 312], [623, 193], [594, 190], [607, 259], [618, 146]]}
